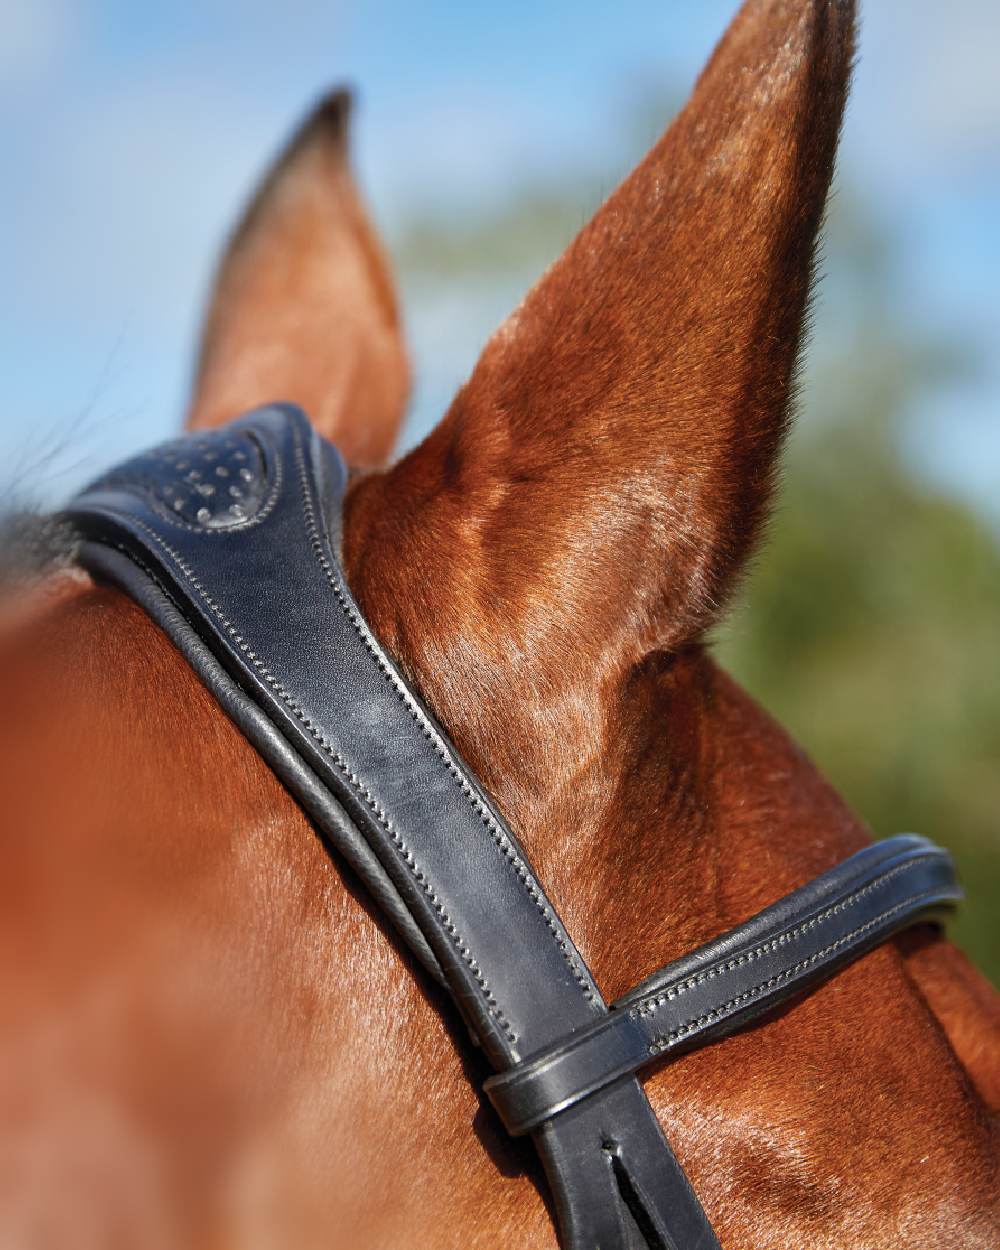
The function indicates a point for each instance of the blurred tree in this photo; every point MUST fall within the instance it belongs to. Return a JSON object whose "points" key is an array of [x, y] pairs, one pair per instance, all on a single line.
{"points": [[869, 624]]}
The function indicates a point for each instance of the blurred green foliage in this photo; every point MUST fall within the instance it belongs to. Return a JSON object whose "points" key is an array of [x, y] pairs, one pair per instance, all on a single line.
{"points": [[869, 623]]}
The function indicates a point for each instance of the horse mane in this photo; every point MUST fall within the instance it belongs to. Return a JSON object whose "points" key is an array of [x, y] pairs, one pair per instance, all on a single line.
{"points": [[33, 545]]}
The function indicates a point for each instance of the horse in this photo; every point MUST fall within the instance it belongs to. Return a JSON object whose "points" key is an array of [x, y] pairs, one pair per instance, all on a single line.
{"points": [[208, 1038]]}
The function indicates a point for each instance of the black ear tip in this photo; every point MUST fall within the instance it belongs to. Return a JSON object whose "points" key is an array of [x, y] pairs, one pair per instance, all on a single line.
{"points": [[842, 20], [329, 121], [335, 108]]}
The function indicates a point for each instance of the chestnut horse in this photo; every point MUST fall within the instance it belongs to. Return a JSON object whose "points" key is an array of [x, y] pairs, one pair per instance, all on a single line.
{"points": [[194, 1049]]}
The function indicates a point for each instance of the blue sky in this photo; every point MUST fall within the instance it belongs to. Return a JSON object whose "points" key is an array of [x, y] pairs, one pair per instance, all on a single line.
{"points": [[131, 134]]}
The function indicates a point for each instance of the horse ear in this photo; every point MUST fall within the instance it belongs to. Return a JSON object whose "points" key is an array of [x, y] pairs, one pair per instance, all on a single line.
{"points": [[614, 449], [303, 307]]}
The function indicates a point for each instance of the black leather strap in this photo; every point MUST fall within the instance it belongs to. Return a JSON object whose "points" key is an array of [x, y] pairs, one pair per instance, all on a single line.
{"points": [[229, 540], [249, 586], [744, 974]]}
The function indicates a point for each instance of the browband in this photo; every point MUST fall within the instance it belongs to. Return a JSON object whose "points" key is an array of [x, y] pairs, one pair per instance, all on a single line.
{"points": [[230, 540]]}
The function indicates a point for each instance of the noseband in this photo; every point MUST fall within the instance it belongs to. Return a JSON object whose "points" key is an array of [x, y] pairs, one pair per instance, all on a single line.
{"points": [[229, 540]]}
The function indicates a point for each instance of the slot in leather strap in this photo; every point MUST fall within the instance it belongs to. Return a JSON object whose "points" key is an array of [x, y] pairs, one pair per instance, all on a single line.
{"points": [[735, 978]]}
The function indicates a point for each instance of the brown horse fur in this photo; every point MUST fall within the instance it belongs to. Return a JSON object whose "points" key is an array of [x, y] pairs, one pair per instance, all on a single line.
{"points": [[304, 280], [206, 1039]]}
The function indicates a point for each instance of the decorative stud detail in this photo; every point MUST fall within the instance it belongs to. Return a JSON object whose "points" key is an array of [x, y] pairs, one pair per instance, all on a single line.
{"points": [[174, 477]]}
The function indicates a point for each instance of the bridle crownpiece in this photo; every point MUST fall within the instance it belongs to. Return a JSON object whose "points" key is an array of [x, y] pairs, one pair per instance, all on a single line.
{"points": [[230, 541]]}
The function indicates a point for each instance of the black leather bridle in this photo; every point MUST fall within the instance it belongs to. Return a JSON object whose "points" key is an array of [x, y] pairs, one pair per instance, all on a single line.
{"points": [[229, 540]]}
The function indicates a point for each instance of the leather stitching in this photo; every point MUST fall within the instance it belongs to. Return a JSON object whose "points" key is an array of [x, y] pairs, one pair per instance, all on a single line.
{"points": [[649, 1006], [661, 1042], [342, 765], [497, 834]]}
